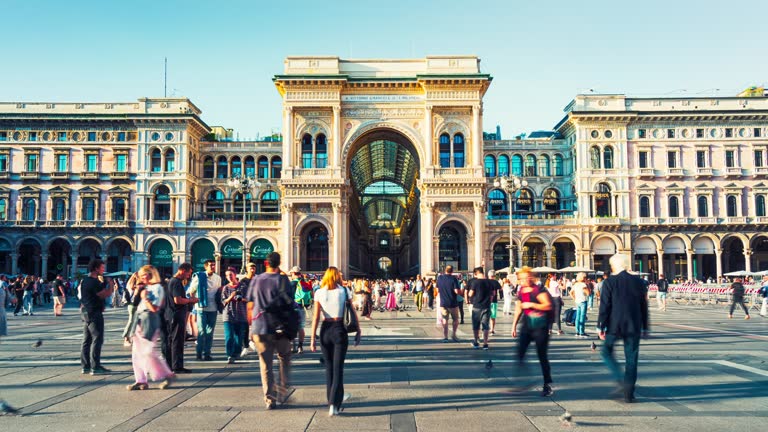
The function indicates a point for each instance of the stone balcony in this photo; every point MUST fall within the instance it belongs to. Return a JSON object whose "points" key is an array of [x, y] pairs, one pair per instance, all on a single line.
{"points": [[733, 172], [760, 171], [30, 175], [677, 221], [646, 172], [739, 220], [602, 221], [675, 172], [535, 222], [59, 175], [704, 172], [706, 220], [761, 220], [455, 172], [648, 221]]}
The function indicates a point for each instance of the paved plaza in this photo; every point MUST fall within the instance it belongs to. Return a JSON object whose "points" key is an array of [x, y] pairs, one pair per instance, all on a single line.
{"points": [[698, 372]]}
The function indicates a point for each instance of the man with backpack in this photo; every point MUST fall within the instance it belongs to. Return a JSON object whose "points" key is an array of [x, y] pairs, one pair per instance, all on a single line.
{"points": [[274, 325]]}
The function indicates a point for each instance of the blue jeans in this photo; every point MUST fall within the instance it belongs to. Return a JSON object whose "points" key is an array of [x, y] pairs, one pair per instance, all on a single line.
{"points": [[206, 323], [28, 302], [233, 337], [581, 317], [631, 354], [591, 300]]}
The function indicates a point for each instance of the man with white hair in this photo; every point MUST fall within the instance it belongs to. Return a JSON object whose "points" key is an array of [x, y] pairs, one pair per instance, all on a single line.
{"points": [[623, 315]]}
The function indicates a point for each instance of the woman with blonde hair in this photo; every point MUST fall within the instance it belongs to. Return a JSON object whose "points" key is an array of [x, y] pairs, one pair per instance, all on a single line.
{"points": [[145, 357], [330, 301], [580, 294]]}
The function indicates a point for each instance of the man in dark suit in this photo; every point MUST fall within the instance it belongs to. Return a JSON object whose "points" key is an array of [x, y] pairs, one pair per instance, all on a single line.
{"points": [[623, 315]]}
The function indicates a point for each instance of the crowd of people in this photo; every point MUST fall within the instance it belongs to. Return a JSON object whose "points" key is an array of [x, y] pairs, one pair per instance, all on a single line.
{"points": [[267, 314]]}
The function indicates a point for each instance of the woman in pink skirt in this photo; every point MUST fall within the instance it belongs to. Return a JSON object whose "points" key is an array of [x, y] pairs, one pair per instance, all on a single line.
{"points": [[145, 357], [391, 299]]}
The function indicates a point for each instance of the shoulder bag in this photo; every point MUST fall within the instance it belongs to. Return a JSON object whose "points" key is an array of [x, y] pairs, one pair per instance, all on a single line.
{"points": [[350, 317]]}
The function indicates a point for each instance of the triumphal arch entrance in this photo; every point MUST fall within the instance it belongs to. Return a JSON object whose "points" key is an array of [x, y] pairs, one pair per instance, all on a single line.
{"points": [[382, 164]]}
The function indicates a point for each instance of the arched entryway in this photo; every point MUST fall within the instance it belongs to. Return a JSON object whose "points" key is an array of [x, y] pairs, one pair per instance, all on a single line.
{"points": [[452, 247], [733, 255], [6, 249], [161, 256], [29, 257], [260, 249], [675, 264], [534, 252], [314, 242], [202, 251], [563, 253], [646, 256], [231, 255], [59, 258], [119, 256], [704, 259], [760, 253], [501, 252], [603, 249], [87, 250]]}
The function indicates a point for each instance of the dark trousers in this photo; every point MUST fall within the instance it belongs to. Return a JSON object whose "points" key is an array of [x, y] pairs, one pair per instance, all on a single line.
{"points": [[19, 301], [461, 311], [738, 301], [177, 332], [165, 340], [541, 338], [631, 355], [431, 298], [93, 338], [47, 297], [233, 337], [334, 342], [557, 306]]}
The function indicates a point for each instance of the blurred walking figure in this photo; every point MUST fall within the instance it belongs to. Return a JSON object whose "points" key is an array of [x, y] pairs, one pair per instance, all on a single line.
{"points": [[661, 294], [737, 291]]}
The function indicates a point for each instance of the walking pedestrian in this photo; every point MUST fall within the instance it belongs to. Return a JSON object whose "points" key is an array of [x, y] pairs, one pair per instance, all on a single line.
{"points": [[661, 295], [178, 305], [59, 296], [29, 295], [303, 299], [93, 291], [418, 291], [495, 293], [506, 290], [737, 292], [206, 286], [764, 293], [479, 294], [235, 315], [449, 291], [5, 407], [330, 301], [130, 326], [18, 291], [623, 315], [531, 312], [579, 293], [553, 287], [430, 288], [145, 357]]}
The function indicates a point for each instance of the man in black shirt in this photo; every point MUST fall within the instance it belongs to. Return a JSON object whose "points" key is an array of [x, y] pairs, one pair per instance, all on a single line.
{"points": [[661, 295], [448, 287], [178, 307], [480, 294], [93, 292], [737, 290]]}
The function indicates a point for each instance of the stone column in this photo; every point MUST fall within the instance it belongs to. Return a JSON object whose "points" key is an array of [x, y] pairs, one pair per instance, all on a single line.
{"points": [[660, 257], [337, 139], [426, 228], [288, 137], [478, 228], [427, 138], [48, 208], [108, 209], [337, 237], [549, 252], [287, 244], [719, 261], [748, 260], [14, 263], [74, 265], [44, 267], [477, 136], [689, 261], [151, 208], [173, 209], [217, 257]]}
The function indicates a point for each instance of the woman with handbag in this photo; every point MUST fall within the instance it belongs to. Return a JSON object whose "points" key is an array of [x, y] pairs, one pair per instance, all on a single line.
{"points": [[145, 356], [333, 301], [533, 306]]}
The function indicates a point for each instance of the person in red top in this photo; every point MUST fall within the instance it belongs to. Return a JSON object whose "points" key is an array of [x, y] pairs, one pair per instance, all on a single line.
{"points": [[533, 306]]}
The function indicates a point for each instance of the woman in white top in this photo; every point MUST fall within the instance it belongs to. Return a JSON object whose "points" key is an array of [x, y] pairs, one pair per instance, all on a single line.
{"points": [[553, 286], [145, 357], [334, 339], [579, 292]]}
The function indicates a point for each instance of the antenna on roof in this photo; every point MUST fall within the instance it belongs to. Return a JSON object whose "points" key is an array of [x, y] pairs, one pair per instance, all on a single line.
{"points": [[165, 78]]}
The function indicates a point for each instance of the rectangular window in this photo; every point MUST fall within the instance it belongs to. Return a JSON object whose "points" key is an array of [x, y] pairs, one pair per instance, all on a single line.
{"points": [[641, 133], [730, 161], [61, 163], [3, 136], [755, 132], [643, 159], [670, 133], [699, 133], [32, 163], [121, 162], [758, 158], [729, 132], [3, 163], [91, 162], [62, 136], [121, 136], [33, 136], [91, 136], [701, 159], [671, 159]]}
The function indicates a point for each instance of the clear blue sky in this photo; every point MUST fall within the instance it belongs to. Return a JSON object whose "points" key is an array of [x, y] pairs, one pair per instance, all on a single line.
{"points": [[223, 54]]}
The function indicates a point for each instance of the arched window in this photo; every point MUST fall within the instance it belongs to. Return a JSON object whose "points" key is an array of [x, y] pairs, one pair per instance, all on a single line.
{"points": [[237, 167], [608, 157], [170, 160], [238, 202], [250, 166], [674, 207], [156, 160], [118, 210], [594, 157], [208, 167], [558, 165], [732, 206], [321, 151], [703, 207], [490, 166], [458, 150], [59, 209], [445, 151], [524, 202], [517, 165], [270, 202], [530, 166], [316, 245], [89, 209], [222, 168], [603, 198], [497, 204], [306, 151], [162, 203], [3, 209], [503, 165], [215, 201], [551, 200], [277, 167], [29, 210], [545, 166], [263, 167], [760, 205], [645, 207]]}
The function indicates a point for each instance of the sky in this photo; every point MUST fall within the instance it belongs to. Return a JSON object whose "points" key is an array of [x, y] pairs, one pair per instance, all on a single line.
{"points": [[223, 54]]}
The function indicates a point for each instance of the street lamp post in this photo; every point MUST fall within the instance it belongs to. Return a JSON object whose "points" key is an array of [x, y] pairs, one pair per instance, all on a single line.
{"points": [[510, 184], [244, 185]]}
